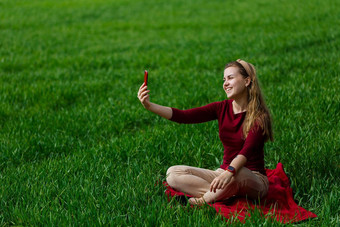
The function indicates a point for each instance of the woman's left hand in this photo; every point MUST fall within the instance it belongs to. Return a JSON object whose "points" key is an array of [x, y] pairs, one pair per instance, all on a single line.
{"points": [[221, 181]]}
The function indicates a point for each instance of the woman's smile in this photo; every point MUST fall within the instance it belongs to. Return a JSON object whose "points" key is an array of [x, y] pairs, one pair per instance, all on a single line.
{"points": [[228, 89]]}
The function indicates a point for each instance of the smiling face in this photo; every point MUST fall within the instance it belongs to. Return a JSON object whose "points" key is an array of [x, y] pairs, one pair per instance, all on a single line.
{"points": [[235, 85]]}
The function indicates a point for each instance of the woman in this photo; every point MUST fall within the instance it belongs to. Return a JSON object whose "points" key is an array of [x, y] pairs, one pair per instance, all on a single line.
{"points": [[244, 126]]}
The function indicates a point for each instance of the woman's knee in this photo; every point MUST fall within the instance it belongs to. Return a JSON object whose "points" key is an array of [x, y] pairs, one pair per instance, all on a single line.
{"points": [[175, 170], [243, 175], [170, 170], [170, 178], [249, 184], [172, 173]]}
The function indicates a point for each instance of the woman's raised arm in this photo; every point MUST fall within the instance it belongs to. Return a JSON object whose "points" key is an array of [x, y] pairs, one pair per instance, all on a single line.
{"points": [[144, 98]]}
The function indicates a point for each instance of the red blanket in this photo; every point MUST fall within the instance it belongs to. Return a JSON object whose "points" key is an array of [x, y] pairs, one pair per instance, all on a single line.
{"points": [[278, 204]]}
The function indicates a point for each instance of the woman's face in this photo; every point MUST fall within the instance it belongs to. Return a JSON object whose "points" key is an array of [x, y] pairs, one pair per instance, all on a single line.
{"points": [[234, 84]]}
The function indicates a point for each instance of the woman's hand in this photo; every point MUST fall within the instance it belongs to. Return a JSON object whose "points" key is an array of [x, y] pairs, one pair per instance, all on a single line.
{"points": [[162, 111], [221, 181], [144, 96]]}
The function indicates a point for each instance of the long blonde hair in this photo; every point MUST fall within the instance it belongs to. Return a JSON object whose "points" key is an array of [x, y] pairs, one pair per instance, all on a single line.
{"points": [[257, 111]]}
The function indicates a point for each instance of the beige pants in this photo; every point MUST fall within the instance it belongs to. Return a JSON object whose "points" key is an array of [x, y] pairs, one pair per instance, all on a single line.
{"points": [[196, 182]]}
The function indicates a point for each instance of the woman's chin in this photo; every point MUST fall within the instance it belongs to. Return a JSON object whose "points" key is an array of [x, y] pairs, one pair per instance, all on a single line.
{"points": [[230, 96]]}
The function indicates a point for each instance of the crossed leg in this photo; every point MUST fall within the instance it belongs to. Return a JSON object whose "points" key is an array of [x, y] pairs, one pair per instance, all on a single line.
{"points": [[196, 182]]}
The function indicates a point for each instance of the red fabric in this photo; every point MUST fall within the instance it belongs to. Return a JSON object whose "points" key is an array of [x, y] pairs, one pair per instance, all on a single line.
{"points": [[278, 204]]}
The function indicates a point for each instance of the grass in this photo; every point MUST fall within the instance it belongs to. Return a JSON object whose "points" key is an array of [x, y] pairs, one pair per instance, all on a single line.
{"points": [[77, 148]]}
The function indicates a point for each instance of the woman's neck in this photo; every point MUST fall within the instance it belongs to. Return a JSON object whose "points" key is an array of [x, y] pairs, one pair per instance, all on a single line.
{"points": [[240, 105]]}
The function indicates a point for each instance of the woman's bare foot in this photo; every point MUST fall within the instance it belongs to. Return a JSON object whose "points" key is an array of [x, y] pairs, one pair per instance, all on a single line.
{"points": [[196, 201]]}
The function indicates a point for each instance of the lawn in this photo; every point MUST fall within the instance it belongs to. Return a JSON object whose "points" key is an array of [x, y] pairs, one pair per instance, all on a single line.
{"points": [[77, 147]]}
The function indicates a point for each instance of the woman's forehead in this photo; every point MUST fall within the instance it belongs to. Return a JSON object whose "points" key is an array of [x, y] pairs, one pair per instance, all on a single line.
{"points": [[231, 71]]}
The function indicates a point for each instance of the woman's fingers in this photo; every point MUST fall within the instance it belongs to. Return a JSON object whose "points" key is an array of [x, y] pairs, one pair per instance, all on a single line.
{"points": [[143, 85], [219, 183], [223, 185], [144, 95], [142, 92], [143, 99], [141, 89], [145, 92], [218, 186], [214, 185]]}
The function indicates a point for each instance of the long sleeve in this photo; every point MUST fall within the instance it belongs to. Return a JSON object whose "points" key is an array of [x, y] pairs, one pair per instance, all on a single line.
{"points": [[196, 115], [253, 146]]}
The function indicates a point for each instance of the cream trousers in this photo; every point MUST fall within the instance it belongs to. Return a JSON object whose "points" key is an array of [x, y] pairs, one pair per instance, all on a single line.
{"points": [[196, 182]]}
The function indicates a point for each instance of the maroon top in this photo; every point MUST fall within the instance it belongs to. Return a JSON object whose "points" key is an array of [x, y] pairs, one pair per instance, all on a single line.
{"points": [[230, 132]]}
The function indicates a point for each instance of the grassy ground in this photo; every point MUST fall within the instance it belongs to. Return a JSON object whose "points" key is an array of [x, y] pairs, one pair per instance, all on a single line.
{"points": [[78, 148]]}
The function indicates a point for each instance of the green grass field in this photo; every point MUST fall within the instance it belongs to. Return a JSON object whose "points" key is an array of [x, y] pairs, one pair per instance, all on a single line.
{"points": [[77, 147]]}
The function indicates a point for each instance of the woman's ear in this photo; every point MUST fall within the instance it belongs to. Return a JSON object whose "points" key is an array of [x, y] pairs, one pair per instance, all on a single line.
{"points": [[248, 81]]}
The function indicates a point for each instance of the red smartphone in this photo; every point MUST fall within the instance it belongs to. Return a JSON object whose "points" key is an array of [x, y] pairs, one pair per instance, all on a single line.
{"points": [[146, 77]]}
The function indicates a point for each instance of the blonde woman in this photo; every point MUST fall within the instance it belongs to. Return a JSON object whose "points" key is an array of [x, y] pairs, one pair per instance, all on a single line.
{"points": [[244, 126]]}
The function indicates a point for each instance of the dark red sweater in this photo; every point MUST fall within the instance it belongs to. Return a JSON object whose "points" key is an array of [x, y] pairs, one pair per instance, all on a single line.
{"points": [[230, 132]]}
